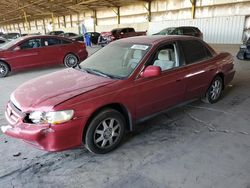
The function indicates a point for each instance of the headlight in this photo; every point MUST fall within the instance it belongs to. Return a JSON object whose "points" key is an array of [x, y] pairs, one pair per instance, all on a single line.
{"points": [[56, 117]]}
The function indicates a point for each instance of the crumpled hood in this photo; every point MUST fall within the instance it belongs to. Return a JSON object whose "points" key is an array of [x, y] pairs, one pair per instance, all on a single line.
{"points": [[52, 89]]}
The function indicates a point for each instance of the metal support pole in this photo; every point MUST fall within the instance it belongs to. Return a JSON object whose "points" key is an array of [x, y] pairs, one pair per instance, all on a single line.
{"points": [[118, 15], [71, 23], [26, 20], [44, 27], [193, 8], [53, 21], [149, 11], [95, 20]]}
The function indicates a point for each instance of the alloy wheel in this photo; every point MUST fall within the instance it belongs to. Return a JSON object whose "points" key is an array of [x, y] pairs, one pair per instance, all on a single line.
{"points": [[107, 133]]}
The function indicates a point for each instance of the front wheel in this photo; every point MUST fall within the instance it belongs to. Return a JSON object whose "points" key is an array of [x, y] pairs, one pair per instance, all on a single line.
{"points": [[4, 69], [105, 132], [214, 91], [70, 60]]}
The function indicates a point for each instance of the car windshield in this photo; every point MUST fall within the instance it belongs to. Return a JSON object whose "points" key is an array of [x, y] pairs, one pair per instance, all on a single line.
{"points": [[167, 31], [11, 43], [117, 60]]}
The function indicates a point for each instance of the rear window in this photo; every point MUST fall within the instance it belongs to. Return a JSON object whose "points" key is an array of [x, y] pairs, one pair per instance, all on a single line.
{"points": [[194, 51]]}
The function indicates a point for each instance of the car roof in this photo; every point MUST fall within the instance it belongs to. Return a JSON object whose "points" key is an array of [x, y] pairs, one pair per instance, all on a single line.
{"points": [[155, 39]]}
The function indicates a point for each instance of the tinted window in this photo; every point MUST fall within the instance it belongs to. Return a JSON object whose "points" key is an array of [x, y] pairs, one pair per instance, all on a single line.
{"points": [[2, 41], [194, 51], [32, 43], [65, 42], [178, 31], [124, 30], [188, 31], [51, 41], [131, 30]]}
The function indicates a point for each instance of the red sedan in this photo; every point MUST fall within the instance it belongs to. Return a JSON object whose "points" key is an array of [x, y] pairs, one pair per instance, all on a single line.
{"points": [[36, 51], [121, 84]]}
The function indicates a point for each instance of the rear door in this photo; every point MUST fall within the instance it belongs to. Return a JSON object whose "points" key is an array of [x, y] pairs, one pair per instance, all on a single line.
{"points": [[51, 50], [200, 66], [27, 54]]}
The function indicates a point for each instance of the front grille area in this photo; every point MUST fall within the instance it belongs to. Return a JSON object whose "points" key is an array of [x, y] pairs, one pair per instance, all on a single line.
{"points": [[13, 114]]}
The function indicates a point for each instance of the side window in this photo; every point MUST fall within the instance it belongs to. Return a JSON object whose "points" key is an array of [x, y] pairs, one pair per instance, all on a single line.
{"points": [[194, 51], [124, 30], [32, 43], [50, 41], [178, 31], [65, 42], [131, 30], [188, 31], [166, 57]]}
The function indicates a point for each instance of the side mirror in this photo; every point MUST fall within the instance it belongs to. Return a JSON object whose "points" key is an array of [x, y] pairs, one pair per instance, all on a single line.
{"points": [[17, 48], [151, 71]]}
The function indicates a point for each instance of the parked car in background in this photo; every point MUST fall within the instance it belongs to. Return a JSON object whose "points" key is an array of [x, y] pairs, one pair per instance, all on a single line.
{"points": [[55, 33], [244, 52], [3, 41], [93, 37], [68, 35], [119, 85], [12, 36], [120, 33], [36, 51], [184, 30]]}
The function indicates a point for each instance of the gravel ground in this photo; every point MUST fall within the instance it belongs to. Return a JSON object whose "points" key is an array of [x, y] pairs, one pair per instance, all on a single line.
{"points": [[196, 145]]}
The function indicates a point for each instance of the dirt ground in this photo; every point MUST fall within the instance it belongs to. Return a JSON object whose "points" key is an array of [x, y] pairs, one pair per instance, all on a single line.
{"points": [[194, 146]]}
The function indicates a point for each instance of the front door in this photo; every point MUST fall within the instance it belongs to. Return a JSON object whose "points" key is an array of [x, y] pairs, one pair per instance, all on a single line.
{"points": [[155, 94], [27, 54]]}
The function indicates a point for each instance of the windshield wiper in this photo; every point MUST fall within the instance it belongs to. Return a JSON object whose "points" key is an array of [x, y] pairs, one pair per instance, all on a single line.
{"points": [[96, 72]]}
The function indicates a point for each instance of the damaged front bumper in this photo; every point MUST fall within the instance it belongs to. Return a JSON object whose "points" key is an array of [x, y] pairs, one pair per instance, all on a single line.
{"points": [[47, 137]]}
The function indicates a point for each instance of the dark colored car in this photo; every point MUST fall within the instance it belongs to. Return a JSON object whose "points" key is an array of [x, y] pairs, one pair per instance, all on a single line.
{"points": [[244, 53], [3, 41], [119, 85], [36, 51], [68, 35], [119, 33], [55, 33], [93, 37], [184, 30], [12, 36]]}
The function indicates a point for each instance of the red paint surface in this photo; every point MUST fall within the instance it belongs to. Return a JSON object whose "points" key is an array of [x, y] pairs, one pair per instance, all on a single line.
{"points": [[85, 94], [41, 56]]}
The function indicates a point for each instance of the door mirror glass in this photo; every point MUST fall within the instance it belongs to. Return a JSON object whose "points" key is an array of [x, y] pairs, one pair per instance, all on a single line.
{"points": [[151, 71]]}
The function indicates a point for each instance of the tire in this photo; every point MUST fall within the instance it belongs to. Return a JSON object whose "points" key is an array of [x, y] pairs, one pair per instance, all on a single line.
{"points": [[70, 60], [214, 91], [4, 69], [105, 132]]}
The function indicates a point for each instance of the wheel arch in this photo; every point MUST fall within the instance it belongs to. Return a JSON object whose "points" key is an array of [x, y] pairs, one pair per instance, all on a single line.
{"points": [[73, 54], [116, 106], [6, 64], [221, 75]]}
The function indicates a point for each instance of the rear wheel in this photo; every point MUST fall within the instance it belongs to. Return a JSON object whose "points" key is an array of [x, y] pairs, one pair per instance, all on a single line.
{"points": [[214, 91], [4, 69], [70, 60], [105, 132]]}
